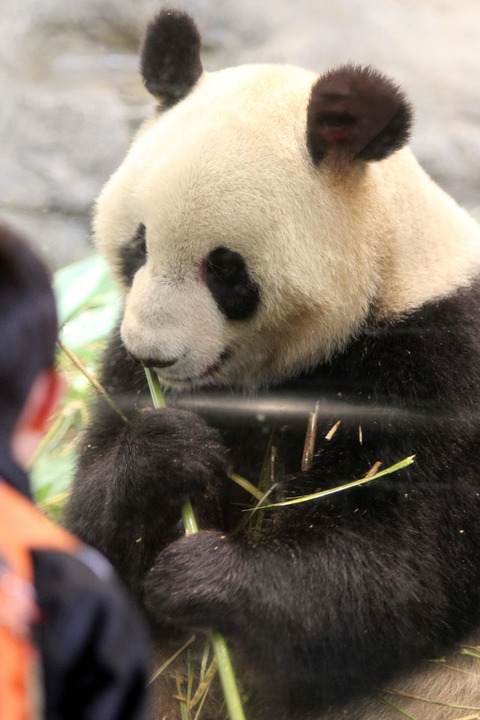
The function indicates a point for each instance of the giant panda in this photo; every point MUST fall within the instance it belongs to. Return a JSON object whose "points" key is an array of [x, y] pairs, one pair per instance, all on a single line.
{"points": [[280, 251]]}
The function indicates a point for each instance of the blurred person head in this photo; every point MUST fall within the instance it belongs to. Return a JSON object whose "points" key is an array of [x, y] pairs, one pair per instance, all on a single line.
{"points": [[29, 384]]}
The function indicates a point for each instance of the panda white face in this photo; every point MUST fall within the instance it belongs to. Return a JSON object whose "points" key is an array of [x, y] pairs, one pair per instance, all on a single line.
{"points": [[221, 231], [250, 227]]}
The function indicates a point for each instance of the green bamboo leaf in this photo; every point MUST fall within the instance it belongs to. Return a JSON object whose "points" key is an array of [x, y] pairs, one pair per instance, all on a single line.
{"points": [[52, 475], [204, 685], [396, 707], [169, 661], [75, 285], [247, 485], [89, 326], [473, 652], [340, 488]]}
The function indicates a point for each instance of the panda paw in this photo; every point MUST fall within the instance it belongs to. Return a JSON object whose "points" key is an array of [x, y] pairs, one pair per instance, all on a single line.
{"points": [[195, 582], [172, 454]]}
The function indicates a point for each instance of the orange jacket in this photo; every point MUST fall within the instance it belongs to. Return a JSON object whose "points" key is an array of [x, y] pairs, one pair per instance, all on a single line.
{"points": [[22, 529]]}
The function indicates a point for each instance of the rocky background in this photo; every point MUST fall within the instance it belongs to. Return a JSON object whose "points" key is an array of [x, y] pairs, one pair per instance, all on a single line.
{"points": [[71, 95]]}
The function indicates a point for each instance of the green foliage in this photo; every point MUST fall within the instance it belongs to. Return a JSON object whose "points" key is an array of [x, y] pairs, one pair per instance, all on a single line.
{"points": [[88, 305], [87, 301]]}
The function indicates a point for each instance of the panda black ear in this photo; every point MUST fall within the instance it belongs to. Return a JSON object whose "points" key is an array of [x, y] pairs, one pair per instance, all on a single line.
{"points": [[359, 111], [170, 56]]}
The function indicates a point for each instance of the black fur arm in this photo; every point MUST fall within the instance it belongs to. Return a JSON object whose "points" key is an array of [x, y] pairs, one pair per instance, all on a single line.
{"points": [[132, 477], [322, 614]]}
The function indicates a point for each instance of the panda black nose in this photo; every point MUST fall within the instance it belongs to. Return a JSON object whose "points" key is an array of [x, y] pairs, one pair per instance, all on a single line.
{"points": [[153, 362]]}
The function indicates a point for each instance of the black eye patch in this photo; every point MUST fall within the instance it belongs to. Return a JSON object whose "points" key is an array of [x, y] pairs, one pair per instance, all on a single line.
{"points": [[133, 255], [229, 281]]}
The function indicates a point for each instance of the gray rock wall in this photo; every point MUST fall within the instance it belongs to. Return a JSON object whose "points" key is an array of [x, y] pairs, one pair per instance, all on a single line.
{"points": [[71, 94]]}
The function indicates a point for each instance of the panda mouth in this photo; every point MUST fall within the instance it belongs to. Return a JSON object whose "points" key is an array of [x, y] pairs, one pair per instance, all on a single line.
{"points": [[211, 372], [213, 369]]}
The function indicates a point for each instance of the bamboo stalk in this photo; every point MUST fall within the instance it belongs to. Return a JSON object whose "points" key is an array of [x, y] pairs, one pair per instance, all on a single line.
{"points": [[225, 668], [310, 437], [92, 380]]}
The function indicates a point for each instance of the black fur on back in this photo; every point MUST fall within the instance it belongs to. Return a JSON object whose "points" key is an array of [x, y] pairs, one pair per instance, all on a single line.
{"points": [[328, 599]]}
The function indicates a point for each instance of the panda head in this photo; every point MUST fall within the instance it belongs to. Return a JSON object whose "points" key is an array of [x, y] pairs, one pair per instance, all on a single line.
{"points": [[252, 220]]}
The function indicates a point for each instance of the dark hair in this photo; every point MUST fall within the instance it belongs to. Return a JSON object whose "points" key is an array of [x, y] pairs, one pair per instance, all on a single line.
{"points": [[28, 324]]}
